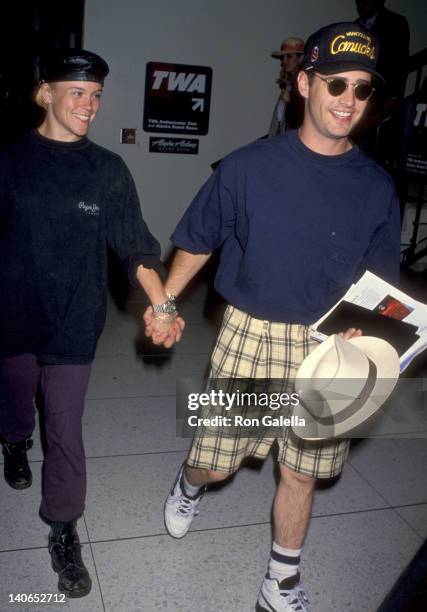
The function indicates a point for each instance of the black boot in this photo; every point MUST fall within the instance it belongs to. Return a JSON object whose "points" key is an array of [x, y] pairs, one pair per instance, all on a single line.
{"points": [[67, 562], [17, 472]]}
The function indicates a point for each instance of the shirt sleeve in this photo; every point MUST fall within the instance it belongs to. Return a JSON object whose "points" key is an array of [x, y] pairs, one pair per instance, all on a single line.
{"points": [[383, 254], [211, 216], [127, 232]]}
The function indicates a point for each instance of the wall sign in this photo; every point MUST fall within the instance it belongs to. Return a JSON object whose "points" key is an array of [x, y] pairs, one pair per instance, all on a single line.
{"points": [[416, 133], [159, 144], [128, 136], [177, 98]]}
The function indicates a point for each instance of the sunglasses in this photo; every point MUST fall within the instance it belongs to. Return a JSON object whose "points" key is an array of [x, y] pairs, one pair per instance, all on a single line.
{"points": [[338, 85], [291, 55]]}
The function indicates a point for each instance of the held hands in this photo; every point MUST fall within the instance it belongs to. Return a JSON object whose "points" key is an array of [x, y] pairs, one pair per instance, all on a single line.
{"points": [[163, 328]]}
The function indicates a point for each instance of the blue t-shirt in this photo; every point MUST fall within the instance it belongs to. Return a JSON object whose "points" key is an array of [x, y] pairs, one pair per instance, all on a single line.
{"points": [[295, 228]]}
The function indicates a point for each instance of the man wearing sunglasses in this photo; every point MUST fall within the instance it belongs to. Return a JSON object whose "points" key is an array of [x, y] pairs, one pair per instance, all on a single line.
{"points": [[337, 82], [289, 109], [298, 219]]}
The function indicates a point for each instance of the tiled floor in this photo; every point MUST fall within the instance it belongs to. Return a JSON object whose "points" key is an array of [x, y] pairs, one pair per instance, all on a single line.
{"points": [[365, 528]]}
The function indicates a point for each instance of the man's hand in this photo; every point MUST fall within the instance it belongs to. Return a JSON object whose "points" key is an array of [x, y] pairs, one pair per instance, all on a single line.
{"points": [[351, 332], [163, 328], [157, 327]]}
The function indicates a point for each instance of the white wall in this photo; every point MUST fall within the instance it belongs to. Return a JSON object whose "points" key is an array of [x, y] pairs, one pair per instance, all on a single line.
{"points": [[235, 38]]}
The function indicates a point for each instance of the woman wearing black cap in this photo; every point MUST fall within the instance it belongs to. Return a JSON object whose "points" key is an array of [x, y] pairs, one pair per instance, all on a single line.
{"points": [[64, 199]]}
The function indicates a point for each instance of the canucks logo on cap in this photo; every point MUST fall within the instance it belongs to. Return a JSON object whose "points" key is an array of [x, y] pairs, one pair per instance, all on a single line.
{"points": [[348, 43], [341, 47]]}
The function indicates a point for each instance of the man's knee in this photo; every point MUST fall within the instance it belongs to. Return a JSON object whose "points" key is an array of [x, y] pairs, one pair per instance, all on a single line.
{"points": [[291, 478]]}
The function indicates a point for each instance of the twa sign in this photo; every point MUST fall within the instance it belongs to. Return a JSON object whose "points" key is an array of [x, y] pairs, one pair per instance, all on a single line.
{"points": [[177, 98]]}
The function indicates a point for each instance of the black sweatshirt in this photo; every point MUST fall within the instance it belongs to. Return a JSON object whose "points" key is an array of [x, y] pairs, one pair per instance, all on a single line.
{"points": [[61, 204]]}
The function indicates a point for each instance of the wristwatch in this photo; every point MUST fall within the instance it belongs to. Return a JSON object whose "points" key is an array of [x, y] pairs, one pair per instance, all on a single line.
{"points": [[168, 307]]}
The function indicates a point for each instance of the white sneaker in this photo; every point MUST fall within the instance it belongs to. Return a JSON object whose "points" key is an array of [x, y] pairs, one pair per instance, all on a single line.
{"points": [[285, 596], [180, 509]]}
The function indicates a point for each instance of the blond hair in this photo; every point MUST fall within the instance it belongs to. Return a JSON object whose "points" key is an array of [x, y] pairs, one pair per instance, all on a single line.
{"points": [[38, 97]]}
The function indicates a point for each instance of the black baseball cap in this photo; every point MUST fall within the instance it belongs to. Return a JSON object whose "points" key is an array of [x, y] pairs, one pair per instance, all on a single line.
{"points": [[73, 65], [341, 47]]}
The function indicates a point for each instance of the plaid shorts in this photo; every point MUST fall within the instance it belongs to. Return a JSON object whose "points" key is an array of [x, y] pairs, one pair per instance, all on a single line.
{"points": [[251, 348]]}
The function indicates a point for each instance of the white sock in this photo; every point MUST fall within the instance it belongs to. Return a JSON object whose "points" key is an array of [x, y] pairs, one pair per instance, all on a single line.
{"points": [[284, 562], [189, 489]]}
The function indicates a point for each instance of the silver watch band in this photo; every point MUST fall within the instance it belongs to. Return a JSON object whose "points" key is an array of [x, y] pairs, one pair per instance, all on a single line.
{"points": [[168, 307]]}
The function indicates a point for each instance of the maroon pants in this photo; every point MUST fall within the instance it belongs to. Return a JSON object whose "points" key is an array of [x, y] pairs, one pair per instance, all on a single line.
{"points": [[64, 388]]}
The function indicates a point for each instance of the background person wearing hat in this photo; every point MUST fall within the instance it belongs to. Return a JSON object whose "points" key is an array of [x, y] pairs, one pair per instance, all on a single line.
{"points": [[289, 109], [63, 200], [298, 218]]}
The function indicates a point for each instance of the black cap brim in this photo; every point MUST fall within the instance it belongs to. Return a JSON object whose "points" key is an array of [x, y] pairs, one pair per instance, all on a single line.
{"points": [[76, 76]]}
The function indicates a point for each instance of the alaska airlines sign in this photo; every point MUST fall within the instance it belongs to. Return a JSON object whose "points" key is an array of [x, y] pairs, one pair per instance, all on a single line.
{"points": [[177, 98]]}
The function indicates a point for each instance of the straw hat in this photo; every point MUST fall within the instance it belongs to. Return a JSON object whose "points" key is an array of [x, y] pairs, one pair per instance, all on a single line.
{"points": [[342, 384]]}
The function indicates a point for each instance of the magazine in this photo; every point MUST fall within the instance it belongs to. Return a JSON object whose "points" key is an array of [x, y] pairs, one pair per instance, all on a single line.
{"points": [[380, 310]]}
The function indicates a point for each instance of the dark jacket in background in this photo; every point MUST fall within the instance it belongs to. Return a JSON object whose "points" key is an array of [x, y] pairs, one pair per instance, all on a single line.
{"points": [[392, 30]]}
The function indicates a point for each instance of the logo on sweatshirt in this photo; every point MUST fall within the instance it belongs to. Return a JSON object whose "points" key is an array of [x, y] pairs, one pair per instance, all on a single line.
{"points": [[89, 209]]}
